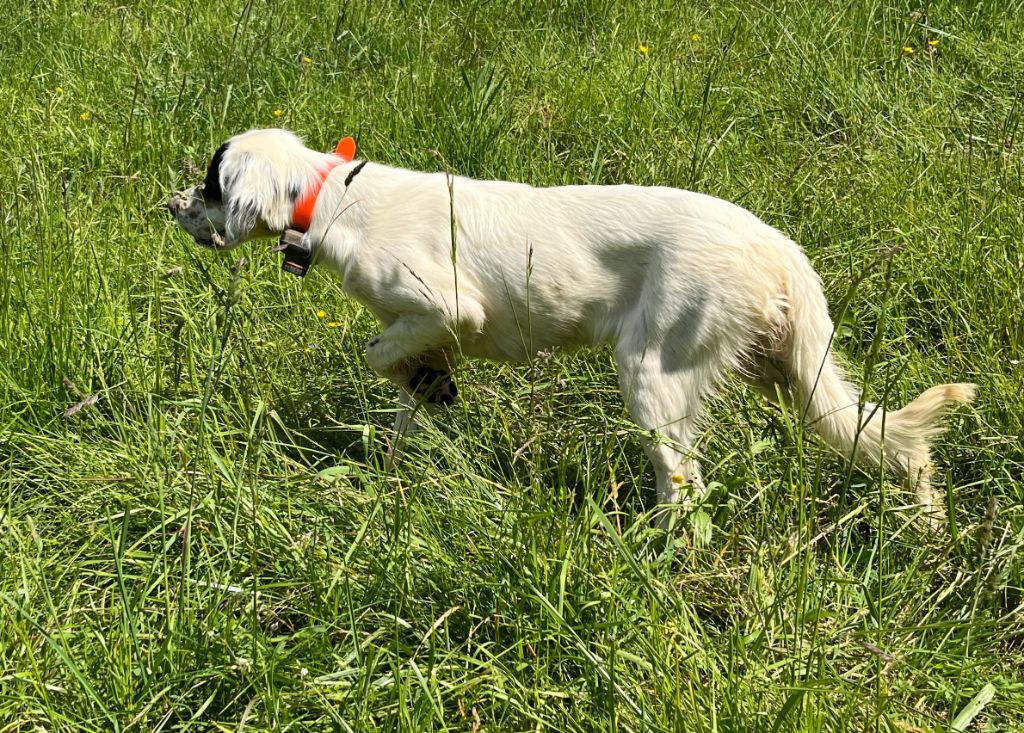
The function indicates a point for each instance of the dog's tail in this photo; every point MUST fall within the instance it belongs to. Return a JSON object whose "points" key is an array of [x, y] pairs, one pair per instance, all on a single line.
{"points": [[860, 431]]}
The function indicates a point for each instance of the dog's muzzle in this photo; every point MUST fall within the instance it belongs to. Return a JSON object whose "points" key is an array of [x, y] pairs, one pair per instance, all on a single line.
{"points": [[199, 220]]}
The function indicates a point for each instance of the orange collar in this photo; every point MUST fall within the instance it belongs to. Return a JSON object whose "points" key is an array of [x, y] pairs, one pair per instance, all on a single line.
{"points": [[302, 214]]}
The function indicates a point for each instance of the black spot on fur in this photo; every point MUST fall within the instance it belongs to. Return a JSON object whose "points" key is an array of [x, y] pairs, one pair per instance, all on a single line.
{"points": [[293, 192], [211, 184]]}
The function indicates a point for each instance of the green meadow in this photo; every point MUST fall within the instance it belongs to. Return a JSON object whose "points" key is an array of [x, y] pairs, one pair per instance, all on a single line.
{"points": [[199, 527]]}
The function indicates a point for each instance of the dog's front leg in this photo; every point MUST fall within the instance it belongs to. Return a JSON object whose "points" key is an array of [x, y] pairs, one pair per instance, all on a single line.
{"points": [[423, 383], [411, 352], [393, 353], [405, 416]]}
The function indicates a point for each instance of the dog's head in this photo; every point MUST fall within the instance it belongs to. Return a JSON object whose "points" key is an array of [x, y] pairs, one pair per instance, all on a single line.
{"points": [[250, 189]]}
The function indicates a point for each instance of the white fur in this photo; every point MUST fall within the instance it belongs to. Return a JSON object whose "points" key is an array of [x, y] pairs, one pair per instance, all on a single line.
{"points": [[685, 286]]}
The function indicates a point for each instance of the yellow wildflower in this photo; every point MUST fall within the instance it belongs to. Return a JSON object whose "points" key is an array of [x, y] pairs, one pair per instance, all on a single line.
{"points": [[307, 60], [333, 324], [643, 49], [278, 112], [908, 50], [321, 314], [934, 42], [58, 90], [695, 37], [84, 117]]}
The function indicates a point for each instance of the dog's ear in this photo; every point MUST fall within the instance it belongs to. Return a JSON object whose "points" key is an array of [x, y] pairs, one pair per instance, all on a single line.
{"points": [[212, 191], [257, 200], [242, 215]]}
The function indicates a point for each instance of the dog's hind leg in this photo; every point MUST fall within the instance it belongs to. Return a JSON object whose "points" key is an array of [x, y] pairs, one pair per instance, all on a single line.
{"points": [[767, 375], [669, 405]]}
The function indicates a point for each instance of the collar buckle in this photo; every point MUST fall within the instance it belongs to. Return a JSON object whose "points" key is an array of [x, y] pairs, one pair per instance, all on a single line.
{"points": [[298, 252]]}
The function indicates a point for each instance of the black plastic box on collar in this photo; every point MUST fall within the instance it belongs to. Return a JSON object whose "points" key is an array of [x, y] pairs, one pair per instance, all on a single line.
{"points": [[298, 252]]}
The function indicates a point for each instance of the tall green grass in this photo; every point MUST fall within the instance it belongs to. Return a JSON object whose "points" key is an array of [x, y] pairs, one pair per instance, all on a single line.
{"points": [[218, 543]]}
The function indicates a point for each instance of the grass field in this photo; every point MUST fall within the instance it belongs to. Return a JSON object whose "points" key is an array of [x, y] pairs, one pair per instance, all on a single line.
{"points": [[216, 543]]}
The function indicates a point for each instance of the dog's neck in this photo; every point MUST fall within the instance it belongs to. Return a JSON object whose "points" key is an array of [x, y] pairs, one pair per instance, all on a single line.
{"points": [[344, 152], [300, 250], [302, 213]]}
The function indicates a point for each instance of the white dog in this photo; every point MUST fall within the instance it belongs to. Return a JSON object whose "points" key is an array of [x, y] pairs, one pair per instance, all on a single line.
{"points": [[685, 286]]}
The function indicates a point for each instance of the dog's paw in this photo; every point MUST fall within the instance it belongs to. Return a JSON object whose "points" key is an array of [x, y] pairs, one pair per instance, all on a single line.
{"points": [[423, 379], [445, 393], [434, 386]]}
